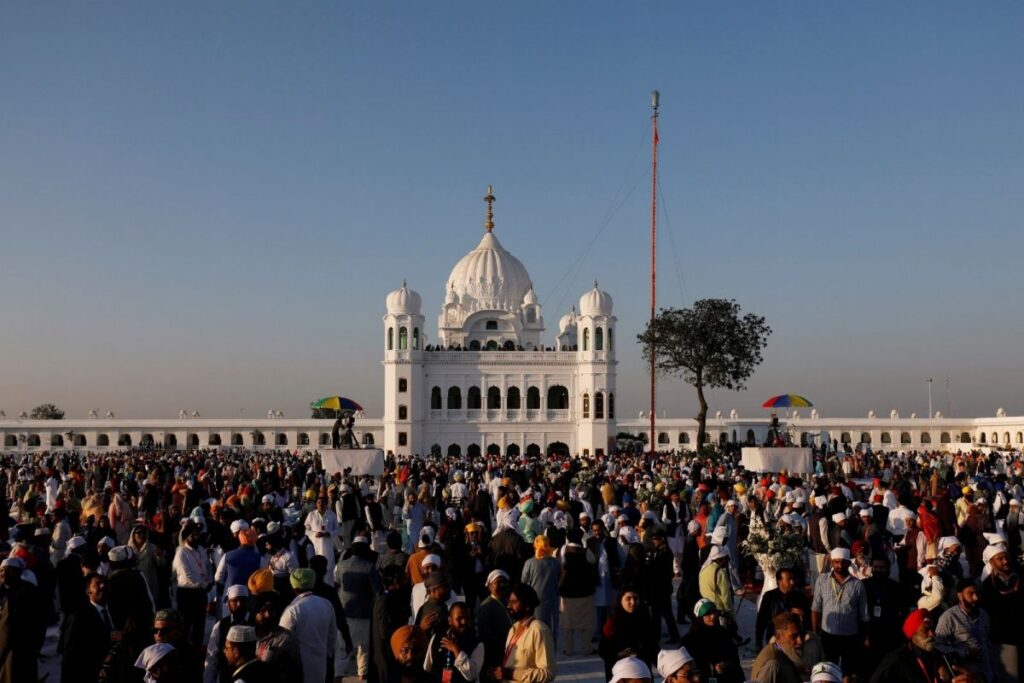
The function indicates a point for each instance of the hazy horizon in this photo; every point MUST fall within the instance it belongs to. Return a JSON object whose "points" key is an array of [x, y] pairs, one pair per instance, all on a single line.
{"points": [[204, 206]]}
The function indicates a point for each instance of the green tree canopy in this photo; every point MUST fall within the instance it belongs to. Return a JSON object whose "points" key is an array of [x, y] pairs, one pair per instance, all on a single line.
{"points": [[47, 411], [709, 345]]}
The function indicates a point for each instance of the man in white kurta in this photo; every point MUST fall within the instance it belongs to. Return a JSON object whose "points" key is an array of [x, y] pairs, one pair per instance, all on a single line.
{"points": [[321, 529], [311, 621]]}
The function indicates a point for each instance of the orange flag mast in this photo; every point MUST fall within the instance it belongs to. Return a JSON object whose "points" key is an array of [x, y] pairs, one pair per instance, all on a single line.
{"points": [[655, 97]]}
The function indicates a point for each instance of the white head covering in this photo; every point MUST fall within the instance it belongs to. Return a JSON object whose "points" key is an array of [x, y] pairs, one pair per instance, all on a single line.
{"points": [[717, 552], [239, 525], [693, 527], [497, 574], [237, 591], [431, 559], [839, 517], [826, 672], [629, 667], [671, 661], [107, 541], [991, 551], [149, 657], [719, 535], [242, 634], [273, 527], [76, 542], [994, 538], [629, 534], [840, 554], [948, 541], [120, 553]]}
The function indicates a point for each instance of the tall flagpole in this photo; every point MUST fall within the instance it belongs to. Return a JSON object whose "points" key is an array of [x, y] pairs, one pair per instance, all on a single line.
{"points": [[655, 96]]}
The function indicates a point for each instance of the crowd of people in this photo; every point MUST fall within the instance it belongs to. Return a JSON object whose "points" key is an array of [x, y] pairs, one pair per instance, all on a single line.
{"points": [[228, 566]]}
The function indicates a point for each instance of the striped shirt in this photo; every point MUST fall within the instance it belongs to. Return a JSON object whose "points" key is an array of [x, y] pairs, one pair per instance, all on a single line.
{"points": [[843, 606]]}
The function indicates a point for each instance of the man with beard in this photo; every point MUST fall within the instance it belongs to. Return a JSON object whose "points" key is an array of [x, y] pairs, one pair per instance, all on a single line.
{"points": [[965, 631], [839, 612], [529, 649], [1002, 598], [778, 660], [786, 596], [216, 668], [457, 656], [192, 570], [492, 619], [918, 661], [887, 601], [390, 610], [275, 645]]}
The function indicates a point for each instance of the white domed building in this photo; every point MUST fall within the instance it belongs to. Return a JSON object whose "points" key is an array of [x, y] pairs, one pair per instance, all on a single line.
{"points": [[493, 382]]}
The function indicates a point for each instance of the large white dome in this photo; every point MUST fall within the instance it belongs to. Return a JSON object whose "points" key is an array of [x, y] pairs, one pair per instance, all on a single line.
{"points": [[490, 276]]}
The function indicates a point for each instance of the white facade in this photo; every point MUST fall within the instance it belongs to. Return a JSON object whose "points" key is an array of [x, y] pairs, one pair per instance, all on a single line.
{"points": [[492, 383]]}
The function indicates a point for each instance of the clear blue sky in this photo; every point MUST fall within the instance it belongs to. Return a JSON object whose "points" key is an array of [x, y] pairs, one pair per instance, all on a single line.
{"points": [[203, 205]]}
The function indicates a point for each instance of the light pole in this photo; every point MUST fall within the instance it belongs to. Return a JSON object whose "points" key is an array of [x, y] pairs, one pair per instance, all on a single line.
{"points": [[930, 398]]}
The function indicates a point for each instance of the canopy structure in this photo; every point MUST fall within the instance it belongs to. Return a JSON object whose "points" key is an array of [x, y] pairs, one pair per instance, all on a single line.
{"points": [[338, 403], [787, 401]]}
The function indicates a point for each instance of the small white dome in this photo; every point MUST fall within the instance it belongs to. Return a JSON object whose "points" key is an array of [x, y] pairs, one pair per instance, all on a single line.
{"points": [[451, 298], [531, 297], [403, 301], [596, 302], [567, 323]]}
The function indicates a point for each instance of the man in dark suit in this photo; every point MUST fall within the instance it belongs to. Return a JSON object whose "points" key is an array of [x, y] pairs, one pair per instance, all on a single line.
{"points": [[88, 635]]}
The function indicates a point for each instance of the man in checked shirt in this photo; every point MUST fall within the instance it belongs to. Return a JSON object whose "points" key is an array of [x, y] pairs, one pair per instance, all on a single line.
{"points": [[839, 613]]}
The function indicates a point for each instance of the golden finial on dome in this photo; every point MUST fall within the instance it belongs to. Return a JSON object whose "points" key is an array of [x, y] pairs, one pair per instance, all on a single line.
{"points": [[490, 209]]}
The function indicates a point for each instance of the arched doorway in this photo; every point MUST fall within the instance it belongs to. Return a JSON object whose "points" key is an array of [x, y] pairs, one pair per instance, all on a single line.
{"points": [[170, 441], [215, 440], [473, 399], [454, 450], [435, 398], [512, 450], [146, 441], [103, 440], [34, 441], [192, 441], [558, 398], [236, 439], [56, 440], [124, 440], [493, 449], [473, 450], [533, 398], [512, 400], [751, 438], [303, 439], [282, 440], [533, 451], [454, 398], [493, 398], [79, 439], [558, 448]]}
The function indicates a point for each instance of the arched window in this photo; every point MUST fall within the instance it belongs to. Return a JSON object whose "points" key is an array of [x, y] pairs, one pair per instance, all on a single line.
{"points": [[1020, 437], [10, 441], [663, 438], [103, 440], [512, 450], [391, 339], [944, 437], [865, 437], [80, 439], [403, 412], [435, 398], [493, 449], [599, 406], [403, 339], [473, 450], [926, 437], [367, 439], [33, 440], [171, 441], [1006, 438], [904, 437], [586, 406], [611, 406], [303, 439], [533, 398], [995, 437], [586, 338], [259, 439], [492, 345], [473, 400], [282, 440], [493, 398], [509, 345], [611, 339], [965, 437], [236, 439], [454, 449], [886, 437], [844, 437], [192, 441], [474, 345], [56, 440], [215, 440], [723, 438], [513, 400], [325, 439], [599, 339], [751, 438], [533, 450], [416, 338], [454, 398], [558, 398], [684, 437]]}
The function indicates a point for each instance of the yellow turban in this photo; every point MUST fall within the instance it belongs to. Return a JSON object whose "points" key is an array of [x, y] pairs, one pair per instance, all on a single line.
{"points": [[503, 503], [261, 581]]}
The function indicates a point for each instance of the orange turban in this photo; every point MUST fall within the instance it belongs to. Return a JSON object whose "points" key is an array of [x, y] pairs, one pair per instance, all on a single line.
{"points": [[261, 581]]}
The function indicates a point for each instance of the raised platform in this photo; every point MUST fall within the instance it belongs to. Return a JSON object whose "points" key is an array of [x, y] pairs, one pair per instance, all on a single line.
{"points": [[795, 460], [356, 460]]}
